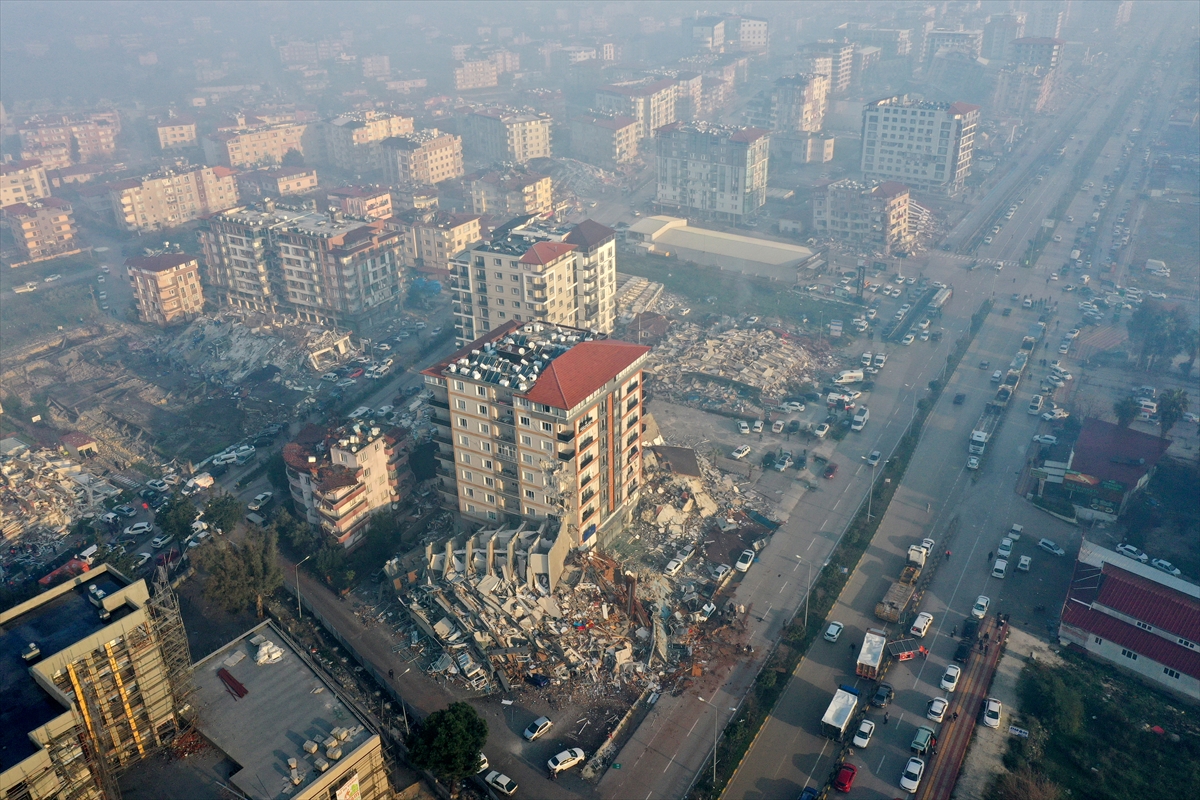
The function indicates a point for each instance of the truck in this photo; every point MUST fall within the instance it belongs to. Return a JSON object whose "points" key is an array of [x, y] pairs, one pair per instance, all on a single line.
{"points": [[981, 434], [841, 710], [899, 594], [860, 419], [848, 376], [870, 655], [917, 555], [941, 298], [1075, 253]]}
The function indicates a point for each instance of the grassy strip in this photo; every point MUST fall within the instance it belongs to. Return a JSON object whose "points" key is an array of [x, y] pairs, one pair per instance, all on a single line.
{"points": [[796, 637]]}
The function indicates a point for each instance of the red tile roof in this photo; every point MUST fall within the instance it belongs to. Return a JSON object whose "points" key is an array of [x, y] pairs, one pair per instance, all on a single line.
{"points": [[17, 166], [1111, 452], [570, 378], [1144, 643], [589, 234], [77, 439], [545, 252], [1150, 602]]}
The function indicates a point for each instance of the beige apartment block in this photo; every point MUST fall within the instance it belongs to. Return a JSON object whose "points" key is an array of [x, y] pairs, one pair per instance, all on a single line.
{"points": [[652, 104], [867, 217], [338, 477], [64, 141], [364, 202], [259, 146], [43, 229], [166, 287], [423, 157], [278, 181], [499, 134], [476, 74], [605, 141], [716, 171], [925, 145], [171, 198], [292, 261], [96, 681], [537, 419], [22, 181], [177, 132], [811, 58], [432, 238], [352, 140], [511, 194]]}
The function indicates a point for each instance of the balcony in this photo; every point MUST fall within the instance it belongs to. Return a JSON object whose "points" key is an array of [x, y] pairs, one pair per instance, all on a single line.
{"points": [[566, 455], [505, 436], [586, 443], [583, 464], [436, 403], [566, 436]]}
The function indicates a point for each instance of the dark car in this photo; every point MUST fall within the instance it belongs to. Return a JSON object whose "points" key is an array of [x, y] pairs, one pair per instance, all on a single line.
{"points": [[217, 470], [793, 426], [883, 695], [539, 681], [159, 502], [844, 779], [147, 494], [959, 399], [830, 470], [963, 653], [810, 793], [970, 628]]}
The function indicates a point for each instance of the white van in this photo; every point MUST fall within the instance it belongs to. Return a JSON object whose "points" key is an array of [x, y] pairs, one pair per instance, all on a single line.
{"points": [[88, 555], [848, 376], [999, 568], [1035, 405]]}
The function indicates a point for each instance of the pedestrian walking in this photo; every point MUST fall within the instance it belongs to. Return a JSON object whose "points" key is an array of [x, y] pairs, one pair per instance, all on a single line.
{"points": [[852, 646], [392, 674], [886, 716], [954, 631], [989, 555], [947, 555], [955, 717]]}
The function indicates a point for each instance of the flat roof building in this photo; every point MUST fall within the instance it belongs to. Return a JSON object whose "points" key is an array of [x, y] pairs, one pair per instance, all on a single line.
{"points": [[166, 287], [278, 182], [176, 132], [43, 229], [172, 197], [867, 217], [363, 202], [605, 141], [713, 170], [22, 181], [511, 194], [925, 145], [651, 103], [422, 157], [352, 141], [766, 258], [499, 134]]}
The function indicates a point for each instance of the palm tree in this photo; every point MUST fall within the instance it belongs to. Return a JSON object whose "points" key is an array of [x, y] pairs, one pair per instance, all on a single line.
{"points": [[1171, 406], [1126, 410]]}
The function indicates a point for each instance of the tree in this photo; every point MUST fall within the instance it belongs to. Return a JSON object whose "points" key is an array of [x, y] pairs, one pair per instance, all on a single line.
{"points": [[223, 511], [176, 517], [293, 158], [1171, 406], [449, 741], [1159, 332], [1126, 410], [240, 576], [304, 538]]}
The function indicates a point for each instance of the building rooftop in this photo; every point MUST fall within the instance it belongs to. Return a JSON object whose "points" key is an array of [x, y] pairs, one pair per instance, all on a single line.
{"points": [[1109, 452], [159, 263], [414, 140], [511, 114], [543, 253], [608, 123], [672, 232], [32, 208], [589, 234], [640, 90], [744, 135], [17, 166], [55, 626], [569, 379], [76, 439], [282, 705], [1080, 615]]}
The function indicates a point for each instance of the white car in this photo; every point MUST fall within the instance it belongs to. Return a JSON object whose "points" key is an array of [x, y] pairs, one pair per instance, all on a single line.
{"points": [[1045, 438], [921, 624], [991, 712], [741, 452], [1073, 333], [565, 760], [743, 427], [758, 426], [538, 727], [501, 783], [910, 779], [1024, 563], [979, 610], [1132, 552], [863, 737], [141, 558], [260, 500], [1005, 549], [52, 278], [159, 542], [795, 406], [950, 677], [158, 485], [821, 430], [1050, 547], [138, 528], [908, 339], [744, 561], [673, 567], [834, 631], [936, 710], [1055, 414], [1166, 566], [972, 462]]}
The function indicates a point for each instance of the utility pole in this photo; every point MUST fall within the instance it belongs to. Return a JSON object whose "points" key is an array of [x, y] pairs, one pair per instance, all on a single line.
{"points": [[299, 607]]}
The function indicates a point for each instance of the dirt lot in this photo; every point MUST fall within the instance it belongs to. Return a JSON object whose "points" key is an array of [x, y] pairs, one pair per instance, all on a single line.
{"points": [[1168, 232]]}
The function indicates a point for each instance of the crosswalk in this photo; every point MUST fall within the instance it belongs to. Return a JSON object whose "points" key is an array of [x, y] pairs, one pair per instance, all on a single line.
{"points": [[1108, 337]]}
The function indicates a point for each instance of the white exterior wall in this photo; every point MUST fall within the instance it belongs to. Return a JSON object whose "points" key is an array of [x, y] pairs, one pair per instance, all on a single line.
{"points": [[1142, 665]]}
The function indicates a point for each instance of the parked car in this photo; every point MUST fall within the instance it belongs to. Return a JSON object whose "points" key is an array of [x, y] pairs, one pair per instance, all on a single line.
{"points": [[741, 452], [744, 561], [936, 709], [924, 740], [141, 558], [834, 631], [950, 677], [883, 695], [980, 609], [1045, 438], [844, 780], [673, 567], [758, 426], [830, 471], [992, 709], [565, 760], [157, 485], [921, 624], [1023, 563], [1050, 547], [910, 779], [161, 541], [138, 528], [1132, 552], [537, 728], [1166, 566], [863, 737], [260, 500], [126, 511], [959, 398], [778, 426], [501, 783], [821, 430], [1005, 549]]}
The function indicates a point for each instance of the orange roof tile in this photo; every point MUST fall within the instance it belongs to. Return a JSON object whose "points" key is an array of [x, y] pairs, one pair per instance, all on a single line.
{"points": [[569, 379], [545, 252]]}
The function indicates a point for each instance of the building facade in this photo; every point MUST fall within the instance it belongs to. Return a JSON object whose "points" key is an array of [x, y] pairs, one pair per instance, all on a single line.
{"points": [[278, 181], [65, 141], [795, 104], [363, 202], [432, 238], [927, 146], [511, 194], [264, 145], [716, 171], [1134, 617], [166, 288], [171, 198], [476, 74], [605, 141], [339, 477], [538, 420], [352, 141], [293, 261], [969, 43], [1000, 31], [177, 132], [498, 134], [425, 157], [868, 217], [840, 69], [22, 181], [652, 104], [42, 229], [1034, 51]]}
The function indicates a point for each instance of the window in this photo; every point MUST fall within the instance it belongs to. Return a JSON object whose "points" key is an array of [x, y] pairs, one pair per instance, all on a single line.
{"points": [[526, 421], [462, 422], [547, 445], [527, 441], [1143, 625], [484, 428], [528, 475], [490, 482], [1187, 644], [465, 458], [481, 391], [469, 492], [1097, 640], [1132, 656], [467, 474], [491, 498], [530, 494], [464, 440], [458, 386], [548, 427], [527, 458], [487, 463], [1172, 673]]}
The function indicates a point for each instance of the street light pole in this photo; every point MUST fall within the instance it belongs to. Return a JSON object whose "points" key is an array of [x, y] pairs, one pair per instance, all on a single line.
{"points": [[299, 607], [716, 711]]}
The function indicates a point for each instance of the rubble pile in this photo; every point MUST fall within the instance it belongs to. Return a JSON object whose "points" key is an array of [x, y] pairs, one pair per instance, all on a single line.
{"points": [[637, 294]]}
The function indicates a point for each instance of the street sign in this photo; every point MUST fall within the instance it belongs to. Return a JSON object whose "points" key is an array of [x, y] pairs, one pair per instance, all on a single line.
{"points": [[1015, 731]]}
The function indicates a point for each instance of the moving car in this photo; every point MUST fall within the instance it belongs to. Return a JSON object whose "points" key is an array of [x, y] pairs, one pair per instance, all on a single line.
{"points": [[873, 459], [883, 695], [972, 462], [908, 339], [863, 737], [260, 500], [1132, 552], [950, 677], [744, 561], [538, 727], [979, 610], [991, 712], [921, 624], [1050, 547], [844, 779], [741, 452], [1166, 566], [830, 470], [910, 779], [565, 760], [501, 783], [936, 710], [834, 631]]}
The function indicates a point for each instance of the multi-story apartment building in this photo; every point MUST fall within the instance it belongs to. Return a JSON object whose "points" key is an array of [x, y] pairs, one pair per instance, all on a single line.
{"points": [[535, 420], [338, 477], [927, 146], [294, 261], [605, 141], [424, 157], [1020, 90], [352, 141], [969, 43], [170, 198], [278, 182], [97, 681], [712, 170], [65, 141], [840, 67], [1037, 51], [364, 202], [166, 287], [892, 42], [706, 33], [795, 104], [42, 229], [376, 67], [999, 32], [22, 181], [258, 146], [566, 275], [689, 96], [432, 238], [652, 103], [748, 33], [511, 194], [870, 217], [176, 132], [476, 74], [499, 134]]}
